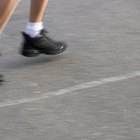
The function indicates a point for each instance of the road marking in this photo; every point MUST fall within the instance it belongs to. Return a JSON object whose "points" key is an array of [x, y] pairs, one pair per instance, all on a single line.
{"points": [[71, 89]]}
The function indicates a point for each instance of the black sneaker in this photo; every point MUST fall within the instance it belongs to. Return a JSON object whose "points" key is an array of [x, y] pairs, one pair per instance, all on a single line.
{"points": [[41, 44], [1, 78]]}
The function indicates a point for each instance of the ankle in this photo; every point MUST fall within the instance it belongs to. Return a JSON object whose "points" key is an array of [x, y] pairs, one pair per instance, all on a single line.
{"points": [[33, 29]]}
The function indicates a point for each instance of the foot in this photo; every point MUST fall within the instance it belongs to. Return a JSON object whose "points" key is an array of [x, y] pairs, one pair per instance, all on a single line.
{"points": [[1, 78], [41, 44]]}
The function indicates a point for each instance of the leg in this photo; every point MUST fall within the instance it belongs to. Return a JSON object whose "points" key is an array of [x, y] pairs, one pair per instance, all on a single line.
{"points": [[36, 39], [7, 7], [37, 10]]}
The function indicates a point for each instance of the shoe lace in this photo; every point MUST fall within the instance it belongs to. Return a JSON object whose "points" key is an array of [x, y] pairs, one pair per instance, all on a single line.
{"points": [[44, 33]]}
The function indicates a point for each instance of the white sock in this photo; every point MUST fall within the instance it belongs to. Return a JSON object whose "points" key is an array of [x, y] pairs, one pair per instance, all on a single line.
{"points": [[33, 28]]}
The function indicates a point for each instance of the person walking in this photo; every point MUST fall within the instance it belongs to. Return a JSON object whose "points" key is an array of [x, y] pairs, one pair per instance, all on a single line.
{"points": [[35, 37]]}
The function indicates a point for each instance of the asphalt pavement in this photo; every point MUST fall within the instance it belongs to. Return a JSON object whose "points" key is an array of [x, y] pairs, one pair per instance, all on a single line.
{"points": [[89, 92]]}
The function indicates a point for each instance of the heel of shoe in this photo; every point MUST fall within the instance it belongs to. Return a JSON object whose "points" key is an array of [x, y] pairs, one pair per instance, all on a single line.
{"points": [[29, 52]]}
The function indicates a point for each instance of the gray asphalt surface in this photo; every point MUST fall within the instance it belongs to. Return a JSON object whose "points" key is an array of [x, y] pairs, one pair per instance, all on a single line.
{"points": [[39, 100]]}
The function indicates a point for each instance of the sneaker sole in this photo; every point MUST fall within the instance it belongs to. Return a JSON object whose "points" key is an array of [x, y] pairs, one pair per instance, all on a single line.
{"points": [[29, 53]]}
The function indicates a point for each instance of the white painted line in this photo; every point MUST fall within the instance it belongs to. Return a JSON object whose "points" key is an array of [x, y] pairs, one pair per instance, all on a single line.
{"points": [[71, 89]]}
